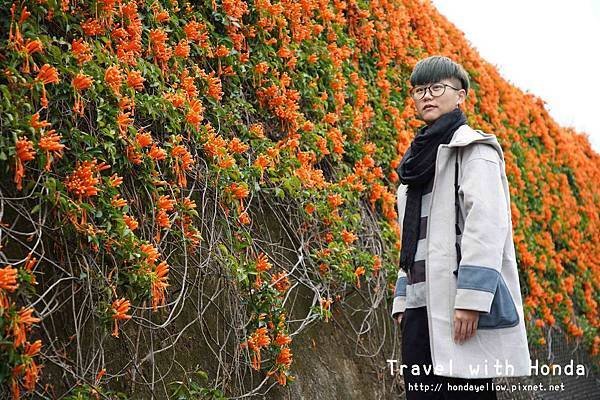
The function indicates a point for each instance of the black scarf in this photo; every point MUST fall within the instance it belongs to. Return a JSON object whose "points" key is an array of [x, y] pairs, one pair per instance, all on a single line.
{"points": [[416, 169]]}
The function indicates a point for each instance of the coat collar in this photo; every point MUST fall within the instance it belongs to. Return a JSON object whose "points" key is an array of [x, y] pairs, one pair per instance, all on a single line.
{"points": [[465, 135]]}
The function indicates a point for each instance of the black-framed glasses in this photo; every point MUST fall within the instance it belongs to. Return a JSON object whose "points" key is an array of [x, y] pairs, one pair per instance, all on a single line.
{"points": [[436, 90]]}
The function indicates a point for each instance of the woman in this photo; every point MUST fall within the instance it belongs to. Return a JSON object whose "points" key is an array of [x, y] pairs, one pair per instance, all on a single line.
{"points": [[457, 297]]}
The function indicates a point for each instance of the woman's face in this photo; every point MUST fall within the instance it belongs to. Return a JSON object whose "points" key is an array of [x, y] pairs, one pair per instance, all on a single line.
{"points": [[430, 108]]}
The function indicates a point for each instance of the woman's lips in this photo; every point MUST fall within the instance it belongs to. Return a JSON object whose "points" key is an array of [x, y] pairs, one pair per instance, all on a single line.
{"points": [[427, 108]]}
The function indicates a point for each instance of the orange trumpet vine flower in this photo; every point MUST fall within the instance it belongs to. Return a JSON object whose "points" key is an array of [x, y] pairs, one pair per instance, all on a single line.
{"points": [[159, 284], [46, 75], [50, 142], [25, 152], [120, 308]]}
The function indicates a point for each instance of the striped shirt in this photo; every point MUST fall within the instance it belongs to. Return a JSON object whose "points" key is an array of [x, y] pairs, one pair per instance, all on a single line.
{"points": [[415, 284]]}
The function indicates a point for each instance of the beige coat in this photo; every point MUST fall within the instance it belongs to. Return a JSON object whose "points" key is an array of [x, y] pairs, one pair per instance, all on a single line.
{"points": [[488, 279]]}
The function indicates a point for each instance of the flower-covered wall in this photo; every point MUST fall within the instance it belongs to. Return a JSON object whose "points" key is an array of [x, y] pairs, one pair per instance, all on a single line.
{"points": [[150, 147]]}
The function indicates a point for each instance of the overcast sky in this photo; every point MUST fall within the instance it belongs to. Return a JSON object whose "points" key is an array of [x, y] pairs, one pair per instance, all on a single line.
{"points": [[550, 48]]}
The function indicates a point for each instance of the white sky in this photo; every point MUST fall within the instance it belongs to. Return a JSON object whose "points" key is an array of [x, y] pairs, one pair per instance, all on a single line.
{"points": [[550, 48]]}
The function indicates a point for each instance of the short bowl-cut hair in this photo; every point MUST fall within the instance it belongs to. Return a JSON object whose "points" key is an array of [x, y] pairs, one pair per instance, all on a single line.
{"points": [[435, 68]]}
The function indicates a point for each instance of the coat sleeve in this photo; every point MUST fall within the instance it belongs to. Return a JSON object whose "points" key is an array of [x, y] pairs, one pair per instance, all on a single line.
{"points": [[399, 304], [486, 224], [399, 294]]}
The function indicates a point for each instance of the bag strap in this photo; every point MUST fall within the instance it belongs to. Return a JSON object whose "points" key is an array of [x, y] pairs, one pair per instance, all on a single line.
{"points": [[457, 210]]}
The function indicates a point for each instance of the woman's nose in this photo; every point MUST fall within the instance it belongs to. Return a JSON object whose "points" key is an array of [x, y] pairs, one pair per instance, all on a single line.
{"points": [[427, 94]]}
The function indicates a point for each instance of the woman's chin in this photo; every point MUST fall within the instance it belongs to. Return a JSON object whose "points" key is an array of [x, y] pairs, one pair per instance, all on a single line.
{"points": [[429, 120]]}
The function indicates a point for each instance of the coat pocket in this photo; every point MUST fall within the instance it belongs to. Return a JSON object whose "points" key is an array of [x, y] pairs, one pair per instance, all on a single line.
{"points": [[503, 312]]}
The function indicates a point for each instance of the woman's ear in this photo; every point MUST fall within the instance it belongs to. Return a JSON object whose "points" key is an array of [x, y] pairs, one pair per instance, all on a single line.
{"points": [[462, 94]]}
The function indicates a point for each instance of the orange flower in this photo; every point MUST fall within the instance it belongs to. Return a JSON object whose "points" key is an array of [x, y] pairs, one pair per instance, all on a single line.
{"points": [[133, 155], [188, 84], [376, 264], [322, 145], [8, 279], [196, 32], [82, 82], [261, 67], [237, 146], [135, 80], [222, 51], [115, 180], [183, 162], [195, 114], [182, 49], [337, 138], [282, 339], [81, 51], [83, 181], [162, 220], [92, 27], [36, 123], [15, 390], [282, 378], [239, 191], [214, 86], [130, 222], [159, 284], [21, 324], [114, 79], [596, 345], [256, 342], [334, 200], [189, 204], [118, 202], [100, 374], [323, 268], [244, 218], [24, 15], [262, 162], [165, 203], [325, 305], [120, 308], [348, 237], [284, 357], [31, 376], [539, 323], [330, 118], [30, 262], [569, 283], [31, 349], [263, 264], [47, 74], [157, 153], [235, 9], [25, 152], [50, 142], [160, 15], [150, 252], [313, 58], [144, 139], [31, 47], [226, 161], [280, 281], [160, 49], [124, 121], [257, 130], [358, 272]]}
